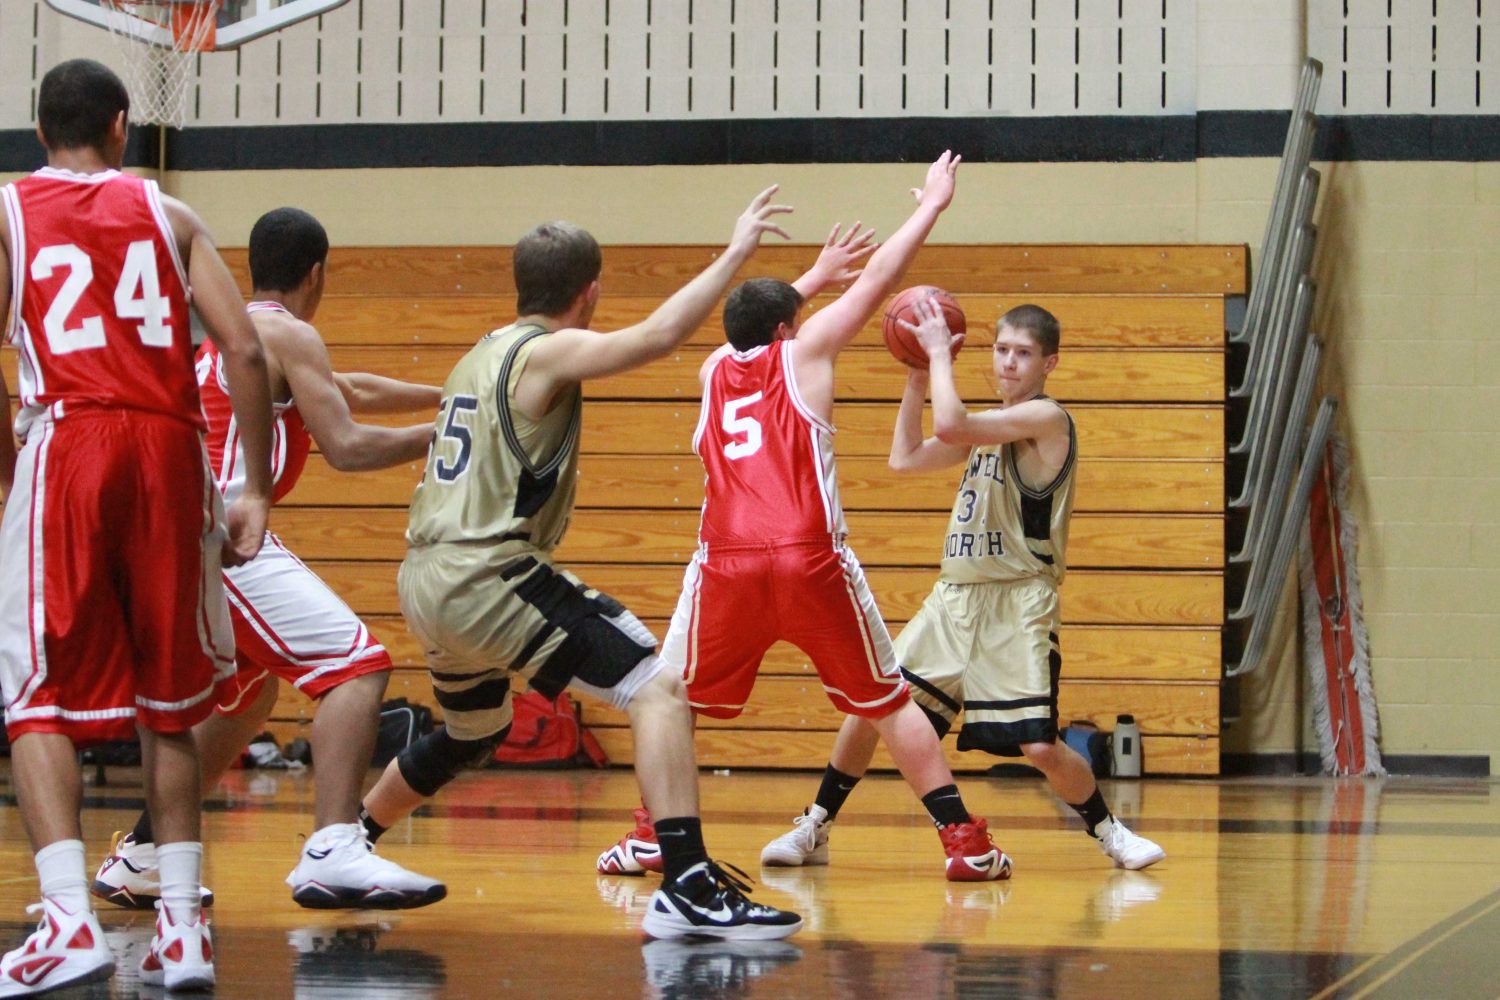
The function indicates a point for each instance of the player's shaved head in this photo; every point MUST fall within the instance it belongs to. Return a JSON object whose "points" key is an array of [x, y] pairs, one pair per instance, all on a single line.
{"points": [[77, 104]]}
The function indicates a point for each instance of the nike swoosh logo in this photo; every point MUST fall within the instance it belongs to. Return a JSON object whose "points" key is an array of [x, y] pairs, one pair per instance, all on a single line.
{"points": [[721, 914], [33, 974], [319, 855], [670, 833]]}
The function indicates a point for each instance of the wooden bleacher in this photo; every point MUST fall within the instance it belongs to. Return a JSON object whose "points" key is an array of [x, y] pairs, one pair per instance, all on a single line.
{"points": [[1142, 371]]}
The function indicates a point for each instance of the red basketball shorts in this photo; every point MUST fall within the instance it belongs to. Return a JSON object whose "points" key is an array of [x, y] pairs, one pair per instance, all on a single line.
{"points": [[112, 611], [738, 600], [289, 624]]}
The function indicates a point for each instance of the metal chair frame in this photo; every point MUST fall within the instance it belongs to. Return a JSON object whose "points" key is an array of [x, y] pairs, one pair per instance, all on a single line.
{"points": [[1287, 536]]}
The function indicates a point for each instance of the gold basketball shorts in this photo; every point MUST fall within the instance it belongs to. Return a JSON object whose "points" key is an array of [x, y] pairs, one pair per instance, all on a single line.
{"points": [[485, 614], [988, 650]]}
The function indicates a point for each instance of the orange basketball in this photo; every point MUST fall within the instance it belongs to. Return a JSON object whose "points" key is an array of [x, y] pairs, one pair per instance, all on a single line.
{"points": [[902, 342]]}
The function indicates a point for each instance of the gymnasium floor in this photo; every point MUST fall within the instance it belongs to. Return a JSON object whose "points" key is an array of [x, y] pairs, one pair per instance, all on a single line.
{"points": [[1272, 888]]}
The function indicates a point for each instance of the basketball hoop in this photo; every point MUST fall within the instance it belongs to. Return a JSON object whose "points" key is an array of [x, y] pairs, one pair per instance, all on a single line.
{"points": [[159, 42]]}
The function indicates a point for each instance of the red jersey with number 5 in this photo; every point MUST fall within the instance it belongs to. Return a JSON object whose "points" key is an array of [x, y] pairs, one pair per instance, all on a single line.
{"points": [[101, 297], [290, 439], [767, 457]]}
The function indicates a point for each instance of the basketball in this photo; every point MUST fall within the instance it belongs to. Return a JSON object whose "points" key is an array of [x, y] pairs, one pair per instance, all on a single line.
{"points": [[901, 342]]}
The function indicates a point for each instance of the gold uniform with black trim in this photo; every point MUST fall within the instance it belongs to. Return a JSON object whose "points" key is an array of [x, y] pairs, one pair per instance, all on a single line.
{"points": [[478, 585], [985, 639]]}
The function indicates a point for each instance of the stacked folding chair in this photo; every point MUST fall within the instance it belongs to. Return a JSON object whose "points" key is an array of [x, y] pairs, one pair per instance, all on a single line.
{"points": [[1274, 459]]}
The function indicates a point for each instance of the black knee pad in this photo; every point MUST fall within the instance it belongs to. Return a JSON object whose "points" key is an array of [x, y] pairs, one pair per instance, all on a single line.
{"points": [[435, 759]]}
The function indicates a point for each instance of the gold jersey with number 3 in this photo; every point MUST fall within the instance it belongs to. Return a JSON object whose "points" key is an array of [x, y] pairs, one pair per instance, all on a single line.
{"points": [[1004, 529], [493, 473]]}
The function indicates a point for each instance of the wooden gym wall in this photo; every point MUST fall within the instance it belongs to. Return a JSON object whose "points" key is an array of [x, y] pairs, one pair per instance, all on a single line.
{"points": [[1142, 370]]}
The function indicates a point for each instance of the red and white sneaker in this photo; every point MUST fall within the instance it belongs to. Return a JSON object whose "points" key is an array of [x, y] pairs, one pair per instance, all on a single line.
{"points": [[65, 949], [181, 956], [637, 852], [972, 854]]}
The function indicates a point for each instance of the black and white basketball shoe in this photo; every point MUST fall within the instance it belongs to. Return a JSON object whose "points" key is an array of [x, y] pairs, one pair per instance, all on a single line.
{"points": [[707, 901]]}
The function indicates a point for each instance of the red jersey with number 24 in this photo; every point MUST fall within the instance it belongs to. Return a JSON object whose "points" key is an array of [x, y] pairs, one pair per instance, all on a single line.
{"points": [[101, 297], [767, 457]]}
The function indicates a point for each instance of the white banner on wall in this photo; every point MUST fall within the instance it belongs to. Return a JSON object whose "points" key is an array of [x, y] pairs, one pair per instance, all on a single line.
{"points": [[557, 60]]}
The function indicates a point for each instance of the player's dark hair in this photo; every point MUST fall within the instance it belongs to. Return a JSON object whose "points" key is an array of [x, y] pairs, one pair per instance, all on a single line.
{"points": [[1036, 321], [552, 264], [285, 244], [756, 308], [77, 102]]}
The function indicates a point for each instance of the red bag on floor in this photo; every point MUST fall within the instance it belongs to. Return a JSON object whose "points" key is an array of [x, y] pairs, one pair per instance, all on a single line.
{"points": [[548, 732]]}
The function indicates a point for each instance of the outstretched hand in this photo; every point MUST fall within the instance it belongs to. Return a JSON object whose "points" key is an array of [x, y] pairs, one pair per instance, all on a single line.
{"points": [[931, 329], [937, 190], [836, 263], [755, 221]]}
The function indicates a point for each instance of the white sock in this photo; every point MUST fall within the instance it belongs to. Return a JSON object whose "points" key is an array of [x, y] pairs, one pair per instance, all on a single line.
{"points": [[60, 867], [181, 868]]}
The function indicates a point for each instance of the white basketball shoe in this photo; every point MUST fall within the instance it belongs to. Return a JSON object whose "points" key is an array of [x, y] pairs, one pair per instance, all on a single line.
{"points": [[1126, 849], [181, 956], [128, 876], [339, 869], [64, 950], [805, 844]]}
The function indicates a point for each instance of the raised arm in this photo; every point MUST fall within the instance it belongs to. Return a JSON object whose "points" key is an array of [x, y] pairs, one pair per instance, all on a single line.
{"points": [[952, 423], [346, 445], [837, 262], [829, 330], [910, 451], [366, 393], [570, 356], [223, 313]]}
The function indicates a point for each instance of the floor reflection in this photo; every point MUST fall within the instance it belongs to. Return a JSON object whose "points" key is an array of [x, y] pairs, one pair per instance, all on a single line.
{"points": [[710, 970], [1272, 888], [377, 959], [350, 963]]}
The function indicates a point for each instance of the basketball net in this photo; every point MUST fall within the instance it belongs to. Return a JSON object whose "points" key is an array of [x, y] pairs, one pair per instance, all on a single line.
{"points": [[158, 74]]}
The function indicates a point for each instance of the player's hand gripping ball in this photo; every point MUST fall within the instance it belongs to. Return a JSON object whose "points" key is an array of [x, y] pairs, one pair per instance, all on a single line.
{"points": [[901, 342]]}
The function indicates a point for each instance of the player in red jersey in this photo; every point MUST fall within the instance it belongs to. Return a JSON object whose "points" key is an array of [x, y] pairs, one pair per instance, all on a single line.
{"points": [[112, 616], [772, 562], [288, 624]]}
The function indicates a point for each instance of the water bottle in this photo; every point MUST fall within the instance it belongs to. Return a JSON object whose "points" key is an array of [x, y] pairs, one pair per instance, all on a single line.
{"points": [[1125, 747]]}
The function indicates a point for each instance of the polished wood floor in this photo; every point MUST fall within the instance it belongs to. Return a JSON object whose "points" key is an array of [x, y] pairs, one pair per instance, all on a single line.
{"points": [[1272, 888]]}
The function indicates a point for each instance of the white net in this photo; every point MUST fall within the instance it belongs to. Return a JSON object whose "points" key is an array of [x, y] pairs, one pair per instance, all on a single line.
{"points": [[159, 44]]}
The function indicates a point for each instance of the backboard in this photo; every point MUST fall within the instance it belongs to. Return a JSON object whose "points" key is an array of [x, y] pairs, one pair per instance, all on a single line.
{"points": [[238, 21]]}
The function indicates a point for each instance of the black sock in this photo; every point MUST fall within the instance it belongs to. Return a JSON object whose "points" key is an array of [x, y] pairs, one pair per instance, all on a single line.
{"points": [[682, 847], [834, 790], [1093, 811], [945, 806], [142, 832], [373, 830]]}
